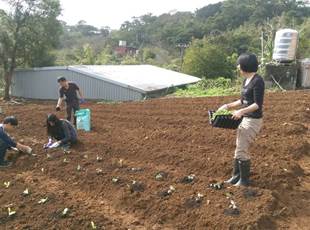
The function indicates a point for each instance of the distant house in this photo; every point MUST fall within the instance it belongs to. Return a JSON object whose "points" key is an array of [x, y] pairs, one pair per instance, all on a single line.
{"points": [[104, 82], [123, 51]]}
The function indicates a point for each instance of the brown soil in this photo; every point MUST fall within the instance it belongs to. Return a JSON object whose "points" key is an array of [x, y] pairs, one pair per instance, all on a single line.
{"points": [[139, 139]]}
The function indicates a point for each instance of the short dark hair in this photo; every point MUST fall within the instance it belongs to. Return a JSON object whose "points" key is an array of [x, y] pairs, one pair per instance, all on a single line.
{"points": [[61, 78], [10, 120], [53, 131], [248, 62]]}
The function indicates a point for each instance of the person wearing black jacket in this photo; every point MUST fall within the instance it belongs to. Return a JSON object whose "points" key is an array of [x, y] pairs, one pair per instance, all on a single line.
{"points": [[61, 130], [251, 102]]}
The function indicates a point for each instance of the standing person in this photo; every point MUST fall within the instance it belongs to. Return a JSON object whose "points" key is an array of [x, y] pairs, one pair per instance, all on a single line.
{"points": [[6, 142], [69, 89], [252, 98], [61, 130]]}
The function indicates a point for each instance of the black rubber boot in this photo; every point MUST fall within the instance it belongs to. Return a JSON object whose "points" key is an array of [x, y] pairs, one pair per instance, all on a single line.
{"points": [[244, 168], [235, 174]]}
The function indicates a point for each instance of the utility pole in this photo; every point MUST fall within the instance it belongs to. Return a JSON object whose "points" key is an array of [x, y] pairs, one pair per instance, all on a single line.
{"points": [[262, 47], [182, 47]]}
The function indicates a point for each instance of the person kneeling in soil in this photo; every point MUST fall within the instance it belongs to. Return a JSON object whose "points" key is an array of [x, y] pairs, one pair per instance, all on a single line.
{"points": [[6, 141], [252, 97], [61, 130]]}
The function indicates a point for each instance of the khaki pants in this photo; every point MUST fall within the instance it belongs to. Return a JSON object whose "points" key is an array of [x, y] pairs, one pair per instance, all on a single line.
{"points": [[247, 131]]}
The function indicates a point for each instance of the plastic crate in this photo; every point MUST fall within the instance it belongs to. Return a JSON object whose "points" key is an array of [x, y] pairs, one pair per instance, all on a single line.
{"points": [[224, 121]]}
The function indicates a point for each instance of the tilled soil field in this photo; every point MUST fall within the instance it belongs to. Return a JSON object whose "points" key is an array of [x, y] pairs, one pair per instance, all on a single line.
{"points": [[120, 174]]}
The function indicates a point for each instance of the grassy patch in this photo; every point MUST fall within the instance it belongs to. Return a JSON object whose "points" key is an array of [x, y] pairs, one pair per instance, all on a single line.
{"points": [[211, 87]]}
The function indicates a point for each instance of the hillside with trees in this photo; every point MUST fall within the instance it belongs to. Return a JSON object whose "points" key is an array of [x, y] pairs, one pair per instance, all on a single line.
{"points": [[204, 43]]}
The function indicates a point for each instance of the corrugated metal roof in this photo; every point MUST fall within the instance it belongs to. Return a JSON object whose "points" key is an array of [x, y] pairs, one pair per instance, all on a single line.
{"points": [[144, 78]]}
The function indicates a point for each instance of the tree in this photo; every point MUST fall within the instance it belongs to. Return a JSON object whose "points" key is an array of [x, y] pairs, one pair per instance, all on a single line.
{"points": [[85, 55], [27, 33], [304, 44], [203, 59]]}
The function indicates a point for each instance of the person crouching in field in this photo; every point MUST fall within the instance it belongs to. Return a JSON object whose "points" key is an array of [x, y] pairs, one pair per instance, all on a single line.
{"points": [[251, 101], [61, 130], [6, 142]]}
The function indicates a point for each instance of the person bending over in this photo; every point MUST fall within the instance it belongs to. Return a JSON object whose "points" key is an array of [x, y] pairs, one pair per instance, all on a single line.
{"points": [[61, 130], [6, 142]]}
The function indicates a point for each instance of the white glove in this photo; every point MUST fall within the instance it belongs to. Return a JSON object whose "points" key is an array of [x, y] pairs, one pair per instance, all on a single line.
{"points": [[29, 150]]}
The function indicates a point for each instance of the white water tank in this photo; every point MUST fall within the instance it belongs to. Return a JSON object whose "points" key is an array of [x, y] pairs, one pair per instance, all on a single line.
{"points": [[305, 73], [285, 45]]}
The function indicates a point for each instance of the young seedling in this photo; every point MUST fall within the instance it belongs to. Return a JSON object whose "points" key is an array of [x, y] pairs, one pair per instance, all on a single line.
{"points": [[161, 176], [136, 169], [43, 200], [194, 201], [167, 192], [98, 158], [115, 180], [93, 225], [233, 204], [66, 151], [11, 212], [99, 171], [233, 210], [65, 212], [136, 186], [188, 179], [199, 197], [7, 184], [26, 192], [121, 163], [171, 189], [79, 168], [217, 186], [221, 112], [229, 195]]}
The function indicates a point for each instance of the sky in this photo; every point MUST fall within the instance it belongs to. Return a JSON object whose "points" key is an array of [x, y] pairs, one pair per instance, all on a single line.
{"points": [[113, 13]]}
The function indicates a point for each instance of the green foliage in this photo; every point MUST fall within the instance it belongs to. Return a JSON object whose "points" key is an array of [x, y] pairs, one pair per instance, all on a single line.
{"points": [[212, 87], [205, 59], [129, 60], [304, 40], [221, 112], [28, 33], [85, 56], [148, 54], [216, 35], [220, 82]]}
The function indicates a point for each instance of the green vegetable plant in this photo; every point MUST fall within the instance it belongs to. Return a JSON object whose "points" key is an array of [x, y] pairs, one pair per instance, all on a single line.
{"points": [[221, 112]]}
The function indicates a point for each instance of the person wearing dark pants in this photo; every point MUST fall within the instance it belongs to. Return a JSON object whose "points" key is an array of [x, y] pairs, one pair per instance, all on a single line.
{"points": [[251, 101], [61, 130], [6, 141], [69, 90]]}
